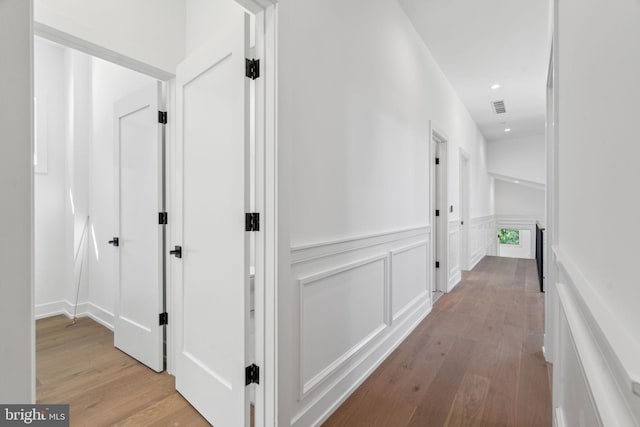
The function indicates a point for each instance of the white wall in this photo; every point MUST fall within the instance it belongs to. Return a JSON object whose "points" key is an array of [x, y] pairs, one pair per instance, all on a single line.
{"points": [[206, 19], [80, 92], [353, 158], [597, 322], [522, 159], [110, 83], [80, 107], [149, 31], [53, 254], [519, 200], [63, 83], [17, 336]]}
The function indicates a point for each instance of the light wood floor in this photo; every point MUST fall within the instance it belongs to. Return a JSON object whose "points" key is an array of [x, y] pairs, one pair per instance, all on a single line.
{"points": [[78, 365], [476, 360]]}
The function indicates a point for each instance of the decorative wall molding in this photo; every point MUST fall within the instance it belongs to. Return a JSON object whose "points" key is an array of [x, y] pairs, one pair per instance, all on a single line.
{"points": [[310, 252], [346, 356], [393, 255], [603, 349], [320, 407], [483, 239], [406, 257], [454, 273]]}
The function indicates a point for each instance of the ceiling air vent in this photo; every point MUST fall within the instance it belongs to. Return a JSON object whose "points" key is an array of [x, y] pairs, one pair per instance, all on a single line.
{"points": [[498, 107]]}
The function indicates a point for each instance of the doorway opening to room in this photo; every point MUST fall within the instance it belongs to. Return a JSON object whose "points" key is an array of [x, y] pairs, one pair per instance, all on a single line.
{"points": [[100, 225], [440, 277], [465, 204], [149, 197]]}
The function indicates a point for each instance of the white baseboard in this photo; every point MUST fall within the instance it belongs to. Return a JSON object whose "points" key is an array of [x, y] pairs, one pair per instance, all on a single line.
{"points": [[454, 280], [51, 309], [100, 315], [85, 309], [558, 418], [475, 260], [372, 361]]}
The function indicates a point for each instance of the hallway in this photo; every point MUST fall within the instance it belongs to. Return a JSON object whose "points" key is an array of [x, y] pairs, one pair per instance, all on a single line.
{"points": [[475, 360]]}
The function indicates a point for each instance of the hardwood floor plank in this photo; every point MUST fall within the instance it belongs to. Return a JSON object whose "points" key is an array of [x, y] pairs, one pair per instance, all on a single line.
{"points": [[531, 410], [475, 360], [468, 405], [80, 366]]}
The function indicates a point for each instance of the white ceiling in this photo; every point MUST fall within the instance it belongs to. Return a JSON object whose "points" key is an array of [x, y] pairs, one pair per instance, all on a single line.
{"points": [[481, 42]]}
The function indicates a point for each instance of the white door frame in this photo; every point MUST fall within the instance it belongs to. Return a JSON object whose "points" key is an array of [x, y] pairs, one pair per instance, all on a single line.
{"points": [[439, 200], [266, 12], [464, 193]]}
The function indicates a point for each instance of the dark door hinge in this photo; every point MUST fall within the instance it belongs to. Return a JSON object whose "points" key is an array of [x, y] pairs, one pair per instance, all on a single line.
{"points": [[437, 212], [163, 218], [164, 318], [437, 161], [252, 68], [252, 374], [162, 117], [252, 221], [437, 264]]}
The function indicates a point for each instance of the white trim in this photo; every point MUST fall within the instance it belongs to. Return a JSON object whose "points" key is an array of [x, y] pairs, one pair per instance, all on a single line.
{"points": [[608, 400], [68, 40], [85, 309], [440, 197], [399, 334], [558, 418], [340, 362], [314, 251], [425, 294], [485, 227], [51, 309], [306, 387], [464, 192], [454, 280], [256, 6], [524, 182], [612, 335]]}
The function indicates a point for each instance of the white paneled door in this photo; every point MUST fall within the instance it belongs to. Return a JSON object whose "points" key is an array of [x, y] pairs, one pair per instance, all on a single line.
{"points": [[139, 199], [212, 193]]}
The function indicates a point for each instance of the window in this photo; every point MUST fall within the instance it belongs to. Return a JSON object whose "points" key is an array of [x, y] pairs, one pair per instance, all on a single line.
{"points": [[508, 236]]}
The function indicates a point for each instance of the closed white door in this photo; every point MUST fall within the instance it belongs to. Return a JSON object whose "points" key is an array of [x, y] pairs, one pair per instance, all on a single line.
{"points": [[139, 301], [212, 190]]}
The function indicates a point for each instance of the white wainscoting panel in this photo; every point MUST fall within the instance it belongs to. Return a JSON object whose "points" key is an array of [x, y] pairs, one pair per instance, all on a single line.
{"points": [[341, 311], [349, 291], [593, 373], [483, 239], [409, 277], [453, 260]]}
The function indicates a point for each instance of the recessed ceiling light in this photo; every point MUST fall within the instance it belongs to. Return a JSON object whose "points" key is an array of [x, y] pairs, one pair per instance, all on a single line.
{"points": [[517, 182], [495, 86], [507, 129]]}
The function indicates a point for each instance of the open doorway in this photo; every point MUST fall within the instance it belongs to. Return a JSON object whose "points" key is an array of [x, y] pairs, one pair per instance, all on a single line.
{"points": [[98, 185], [440, 214], [464, 209], [87, 166]]}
